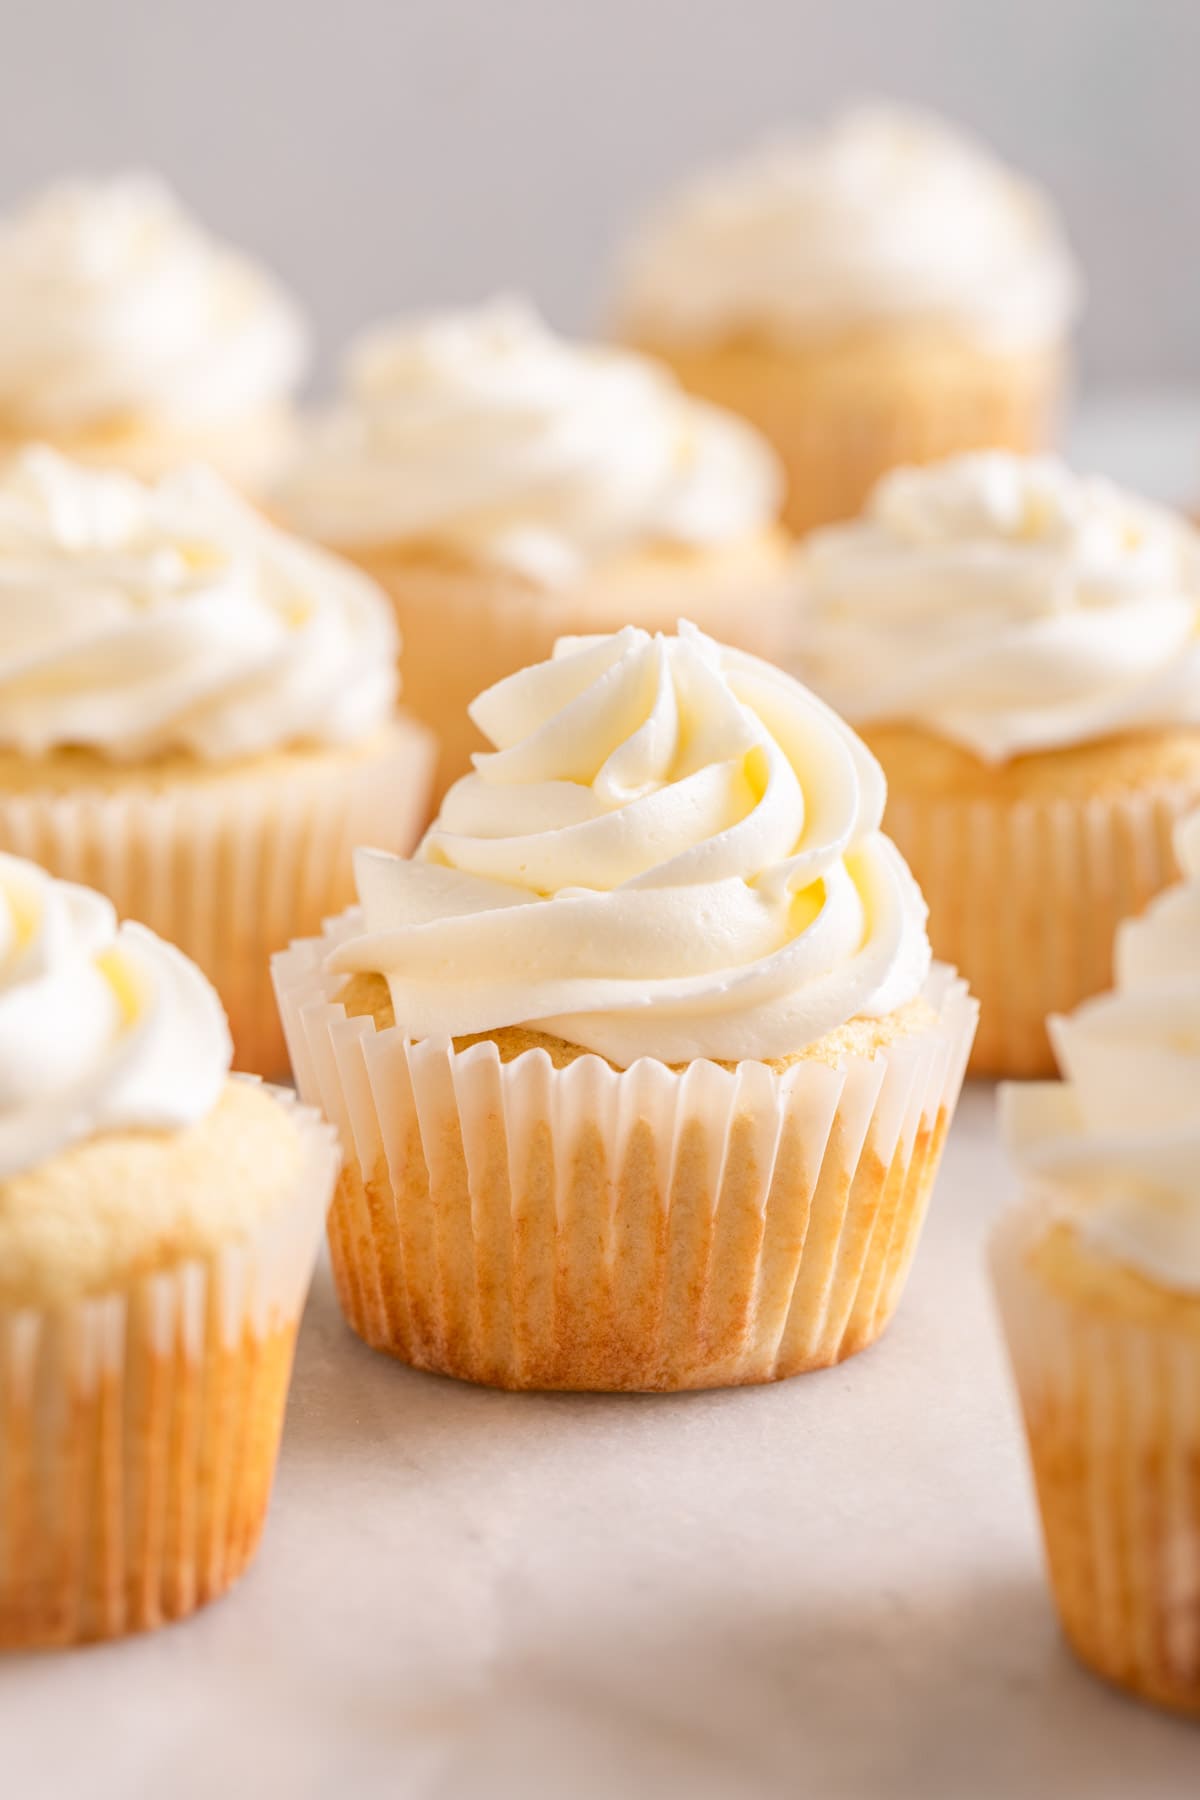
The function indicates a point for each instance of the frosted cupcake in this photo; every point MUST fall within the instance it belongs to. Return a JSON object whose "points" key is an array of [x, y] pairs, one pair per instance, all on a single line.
{"points": [[158, 1226], [129, 337], [1098, 1276], [197, 716], [875, 293], [506, 486], [640, 1065], [1020, 648]]}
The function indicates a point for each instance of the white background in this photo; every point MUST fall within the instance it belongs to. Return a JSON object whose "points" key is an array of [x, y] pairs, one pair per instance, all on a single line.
{"points": [[389, 152]]}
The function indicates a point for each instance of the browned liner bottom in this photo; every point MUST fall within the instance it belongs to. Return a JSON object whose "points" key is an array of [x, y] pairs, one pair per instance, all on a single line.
{"points": [[156, 1501], [1112, 1413], [1129, 1638], [697, 1302]]}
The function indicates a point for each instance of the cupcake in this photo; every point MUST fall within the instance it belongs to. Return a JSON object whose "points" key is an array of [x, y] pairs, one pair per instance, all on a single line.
{"points": [[876, 293], [640, 1065], [158, 1225], [197, 716], [507, 487], [1020, 648], [1098, 1277], [129, 337]]}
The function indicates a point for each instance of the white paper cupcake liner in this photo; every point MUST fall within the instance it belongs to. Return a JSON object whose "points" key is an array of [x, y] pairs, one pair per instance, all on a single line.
{"points": [[839, 421], [139, 1429], [1112, 1411], [1025, 900], [837, 454], [231, 871], [583, 1227]]}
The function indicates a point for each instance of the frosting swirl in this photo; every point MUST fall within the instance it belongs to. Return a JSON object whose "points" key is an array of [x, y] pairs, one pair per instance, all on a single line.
{"points": [[1118, 1140], [114, 305], [137, 620], [884, 217], [484, 433], [1005, 604], [102, 1028], [673, 851]]}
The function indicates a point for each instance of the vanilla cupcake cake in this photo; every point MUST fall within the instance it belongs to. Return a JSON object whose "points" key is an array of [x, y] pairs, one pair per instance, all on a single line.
{"points": [[129, 337], [197, 716], [640, 1065], [878, 292], [158, 1226], [1098, 1277], [507, 487], [1020, 648]]}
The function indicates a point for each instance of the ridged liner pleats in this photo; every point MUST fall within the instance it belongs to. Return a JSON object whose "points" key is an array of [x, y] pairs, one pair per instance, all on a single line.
{"points": [[1112, 1410], [1025, 900], [231, 873], [837, 438], [139, 1430], [584, 1227]]}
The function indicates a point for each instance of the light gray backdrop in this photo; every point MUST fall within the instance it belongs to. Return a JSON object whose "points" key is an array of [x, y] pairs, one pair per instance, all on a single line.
{"points": [[389, 152]]}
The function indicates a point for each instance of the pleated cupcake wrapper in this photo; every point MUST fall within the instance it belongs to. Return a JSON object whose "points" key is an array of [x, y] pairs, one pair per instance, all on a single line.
{"points": [[836, 450], [498, 622], [1025, 900], [583, 1227], [139, 1429], [1112, 1411], [838, 424], [232, 871]]}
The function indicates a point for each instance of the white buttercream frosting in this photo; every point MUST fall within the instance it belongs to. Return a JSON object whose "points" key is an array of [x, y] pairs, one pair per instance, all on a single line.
{"points": [[137, 620], [1006, 604], [115, 306], [673, 851], [1117, 1141], [484, 433], [883, 217], [102, 1027]]}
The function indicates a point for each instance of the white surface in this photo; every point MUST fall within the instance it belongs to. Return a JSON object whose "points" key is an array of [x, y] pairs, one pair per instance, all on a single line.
{"points": [[827, 1588]]}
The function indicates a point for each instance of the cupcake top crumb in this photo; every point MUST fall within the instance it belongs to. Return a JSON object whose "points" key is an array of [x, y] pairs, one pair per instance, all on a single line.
{"points": [[368, 997], [125, 1146], [126, 1204]]}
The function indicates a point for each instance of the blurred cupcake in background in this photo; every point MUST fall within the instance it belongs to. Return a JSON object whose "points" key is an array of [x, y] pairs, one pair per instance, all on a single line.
{"points": [[1098, 1277], [1020, 647], [640, 1065], [129, 337], [506, 486], [159, 1221], [878, 292], [197, 717]]}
